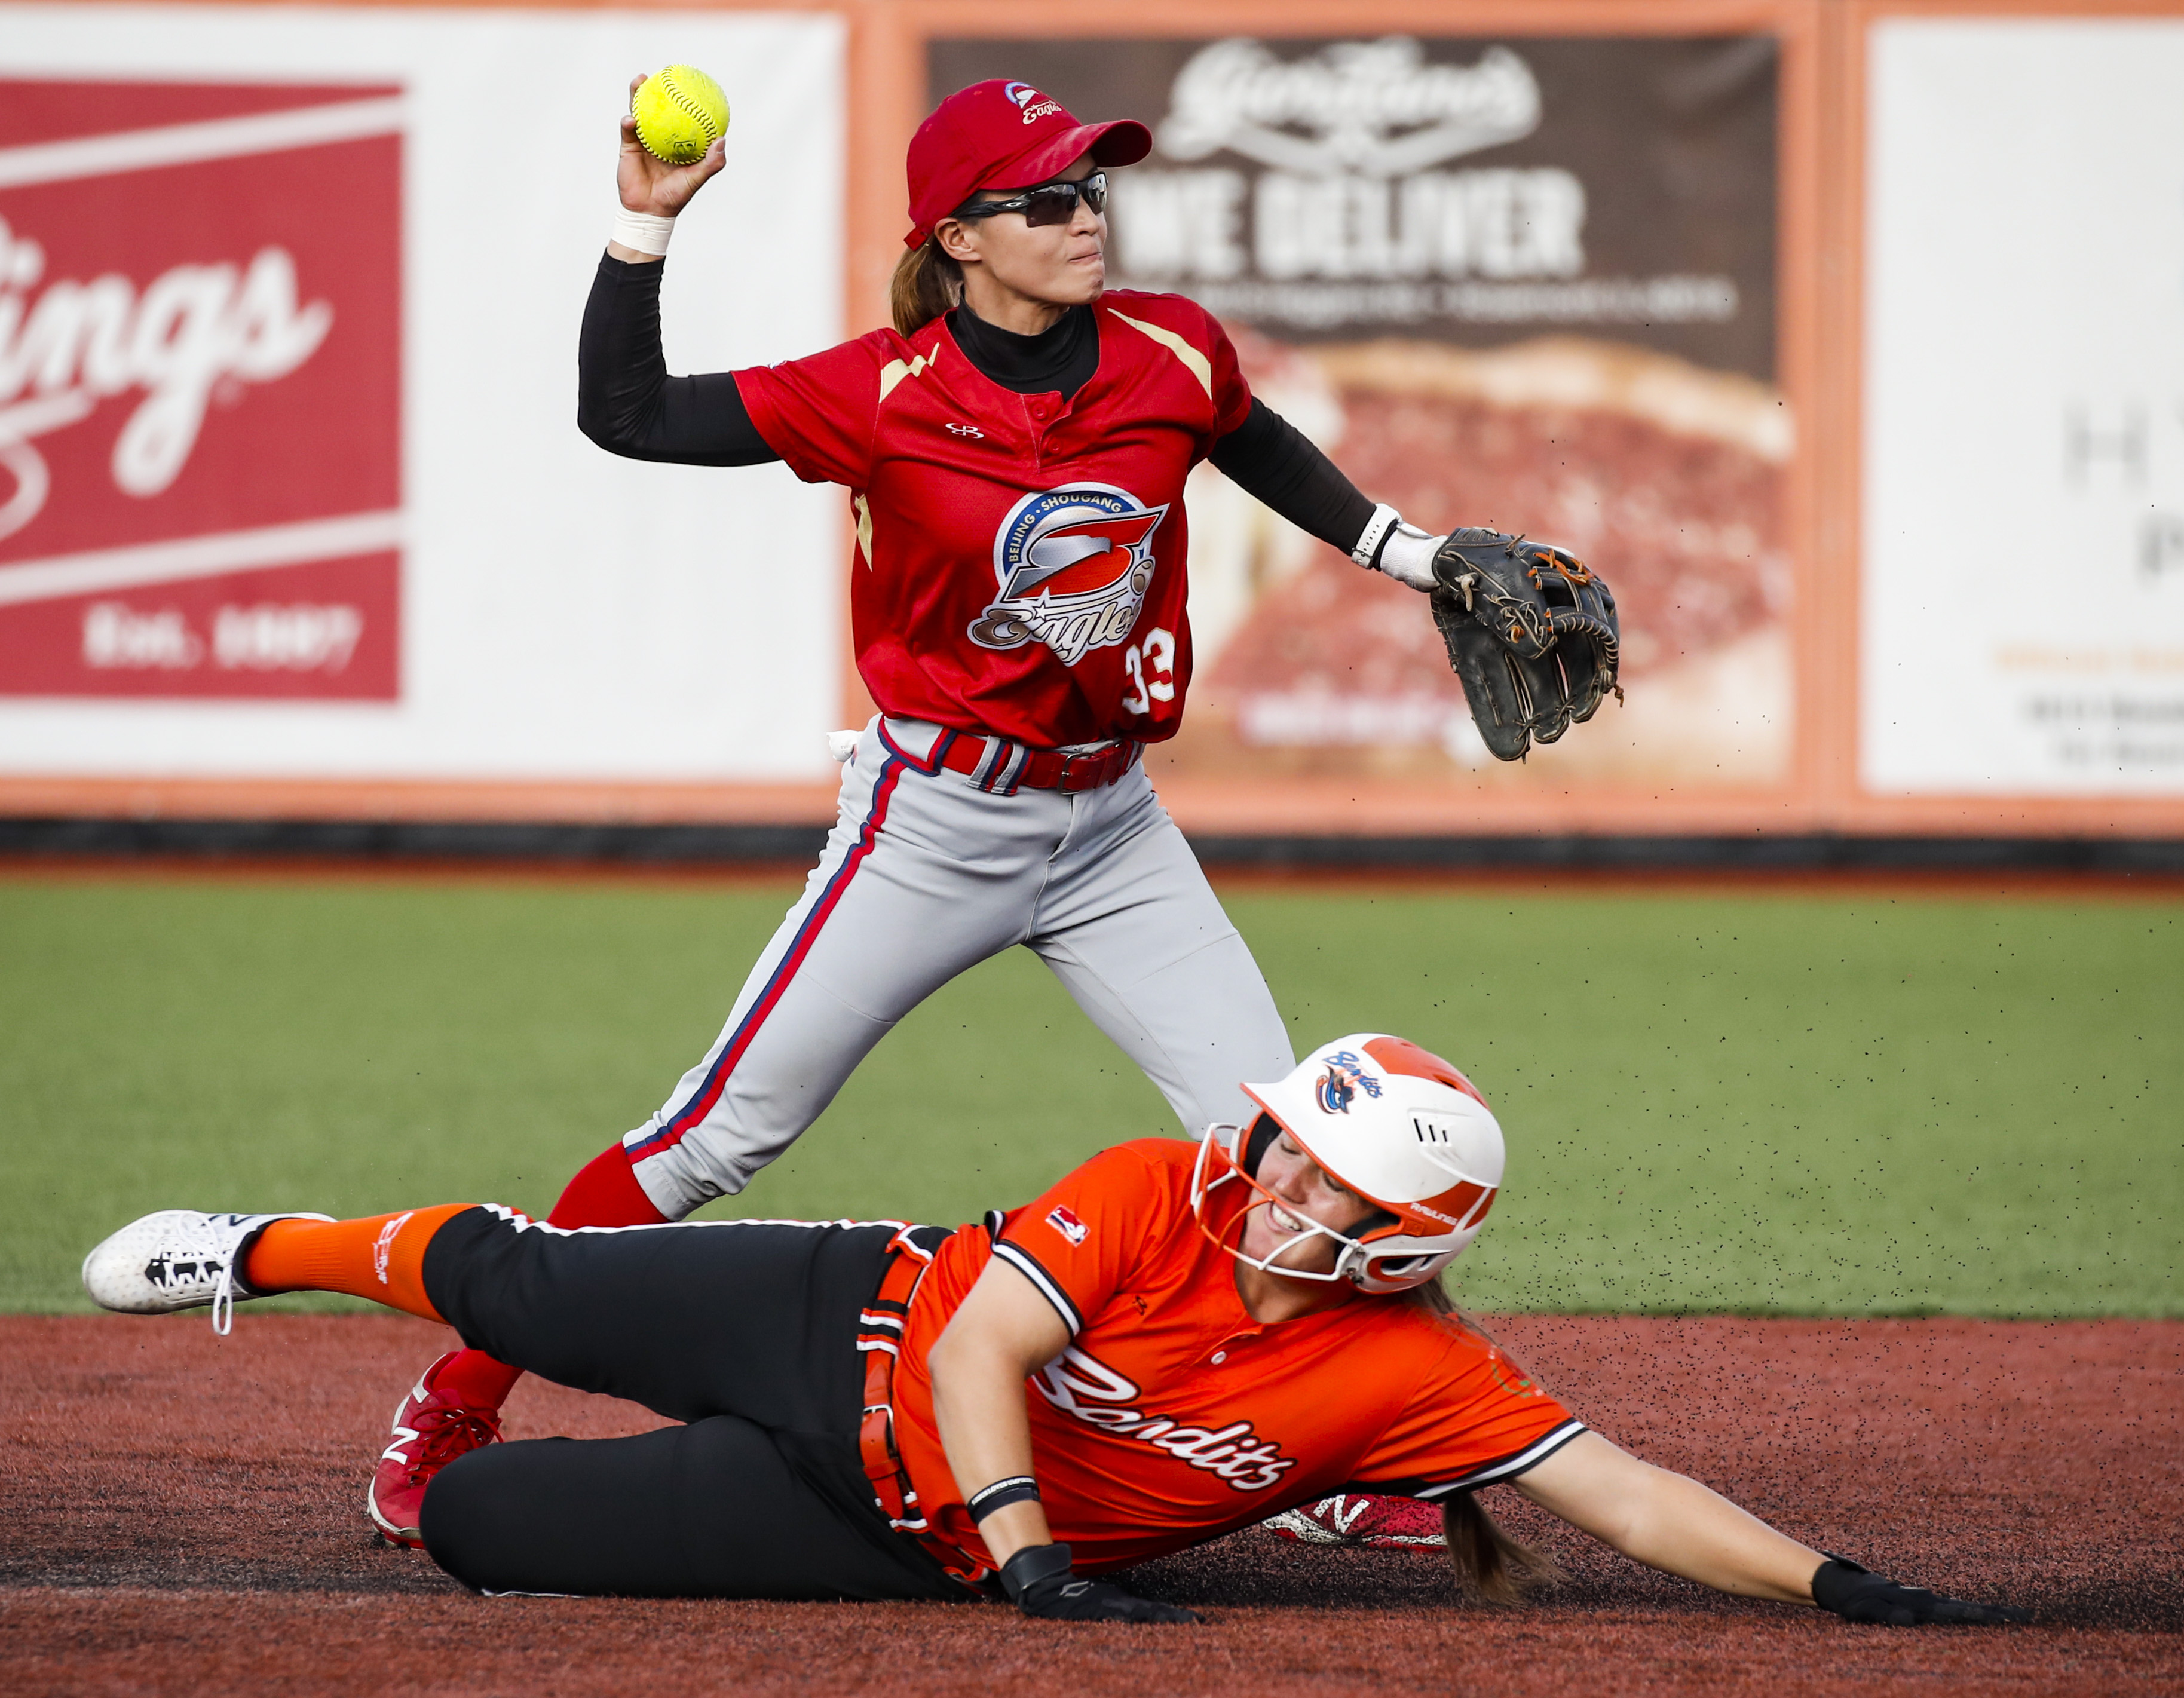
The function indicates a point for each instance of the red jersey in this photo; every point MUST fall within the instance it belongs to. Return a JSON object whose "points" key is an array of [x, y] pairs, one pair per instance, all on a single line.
{"points": [[1019, 563], [1174, 1416]]}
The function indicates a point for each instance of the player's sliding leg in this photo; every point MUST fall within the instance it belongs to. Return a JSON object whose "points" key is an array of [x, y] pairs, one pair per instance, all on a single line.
{"points": [[604, 1194], [705, 1317], [379, 1257], [455, 1406], [708, 1324], [712, 1509], [180, 1259]]}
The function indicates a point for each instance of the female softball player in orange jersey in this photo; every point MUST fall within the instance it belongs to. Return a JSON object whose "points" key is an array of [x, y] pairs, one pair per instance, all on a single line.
{"points": [[1174, 1341], [1014, 448]]}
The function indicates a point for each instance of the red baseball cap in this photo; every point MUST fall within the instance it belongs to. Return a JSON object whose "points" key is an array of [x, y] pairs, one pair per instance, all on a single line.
{"points": [[1001, 135]]}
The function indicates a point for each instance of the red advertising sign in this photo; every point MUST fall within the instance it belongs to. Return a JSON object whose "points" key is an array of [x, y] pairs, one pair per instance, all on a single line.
{"points": [[200, 372]]}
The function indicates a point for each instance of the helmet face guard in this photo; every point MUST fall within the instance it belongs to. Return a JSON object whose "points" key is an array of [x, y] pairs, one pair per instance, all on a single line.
{"points": [[1398, 1126], [1221, 1160]]}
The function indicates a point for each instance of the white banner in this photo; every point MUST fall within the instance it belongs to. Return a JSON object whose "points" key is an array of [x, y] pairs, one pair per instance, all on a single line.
{"points": [[290, 479], [2023, 533]]}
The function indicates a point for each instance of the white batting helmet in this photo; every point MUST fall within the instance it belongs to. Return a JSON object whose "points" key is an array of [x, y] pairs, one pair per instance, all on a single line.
{"points": [[1394, 1123]]}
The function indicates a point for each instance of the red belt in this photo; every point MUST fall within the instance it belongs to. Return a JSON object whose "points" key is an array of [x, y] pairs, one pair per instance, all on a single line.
{"points": [[1004, 767], [879, 1336]]}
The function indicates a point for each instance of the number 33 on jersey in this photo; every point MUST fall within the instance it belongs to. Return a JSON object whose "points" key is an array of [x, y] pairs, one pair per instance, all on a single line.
{"points": [[1020, 558]]}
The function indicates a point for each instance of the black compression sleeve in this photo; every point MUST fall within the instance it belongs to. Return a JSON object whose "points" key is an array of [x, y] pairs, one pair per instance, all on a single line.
{"points": [[1277, 462], [626, 401]]}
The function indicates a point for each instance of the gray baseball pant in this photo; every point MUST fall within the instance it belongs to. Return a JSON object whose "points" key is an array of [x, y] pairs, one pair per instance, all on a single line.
{"points": [[924, 875]]}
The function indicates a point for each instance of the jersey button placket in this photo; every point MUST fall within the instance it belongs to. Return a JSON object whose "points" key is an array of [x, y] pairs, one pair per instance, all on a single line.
{"points": [[1038, 412]]}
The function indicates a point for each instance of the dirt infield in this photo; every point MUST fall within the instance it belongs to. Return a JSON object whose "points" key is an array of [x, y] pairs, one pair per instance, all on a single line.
{"points": [[183, 1514]]}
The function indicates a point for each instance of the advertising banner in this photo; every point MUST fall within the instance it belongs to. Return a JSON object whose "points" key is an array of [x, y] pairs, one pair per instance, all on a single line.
{"points": [[1836, 337], [2023, 541], [200, 407], [1526, 283], [291, 485]]}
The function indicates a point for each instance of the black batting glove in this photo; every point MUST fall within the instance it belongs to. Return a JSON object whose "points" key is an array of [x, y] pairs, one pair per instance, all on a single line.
{"points": [[1858, 1595], [1039, 1580]]}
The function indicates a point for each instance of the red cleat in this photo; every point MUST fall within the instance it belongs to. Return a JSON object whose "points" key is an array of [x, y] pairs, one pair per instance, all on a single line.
{"points": [[1363, 1522], [431, 1430]]}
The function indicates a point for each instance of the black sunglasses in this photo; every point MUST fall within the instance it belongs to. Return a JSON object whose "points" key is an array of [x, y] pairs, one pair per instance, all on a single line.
{"points": [[1048, 203]]}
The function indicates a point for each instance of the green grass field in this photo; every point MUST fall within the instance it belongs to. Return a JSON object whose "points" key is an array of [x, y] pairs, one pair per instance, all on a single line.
{"points": [[1792, 1105]]}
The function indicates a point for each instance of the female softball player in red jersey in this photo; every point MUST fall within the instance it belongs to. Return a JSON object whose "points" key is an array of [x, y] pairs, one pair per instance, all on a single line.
{"points": [[1171, 1343], [1014, 448]]}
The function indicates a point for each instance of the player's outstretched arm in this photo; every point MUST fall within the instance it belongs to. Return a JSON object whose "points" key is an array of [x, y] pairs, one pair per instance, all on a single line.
{"points": [[1004, 1332], [652, 186], [1673, 1523], [1271, 459], [1668, 1521]]}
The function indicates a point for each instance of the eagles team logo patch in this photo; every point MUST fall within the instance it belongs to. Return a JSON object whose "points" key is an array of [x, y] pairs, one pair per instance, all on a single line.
{"points": [[1071, 566], [1030, 102]]}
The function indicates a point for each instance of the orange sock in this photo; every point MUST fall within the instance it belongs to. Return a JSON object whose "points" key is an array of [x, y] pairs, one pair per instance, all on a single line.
{"points": [[381, 1258]]}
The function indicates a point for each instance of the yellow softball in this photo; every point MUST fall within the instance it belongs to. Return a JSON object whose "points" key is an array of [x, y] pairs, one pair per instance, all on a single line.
{"points": [[680, 113]]}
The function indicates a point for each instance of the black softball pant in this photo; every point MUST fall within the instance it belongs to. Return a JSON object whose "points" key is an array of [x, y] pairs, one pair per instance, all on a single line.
{"points": [[744, 1331]]}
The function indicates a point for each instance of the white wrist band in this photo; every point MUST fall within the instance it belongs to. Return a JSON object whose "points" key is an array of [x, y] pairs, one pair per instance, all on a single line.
{"points": [[1384, 519], [642, 230], [1407, 556]]}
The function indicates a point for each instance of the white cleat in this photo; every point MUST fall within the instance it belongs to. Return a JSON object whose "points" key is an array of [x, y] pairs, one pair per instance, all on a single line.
{"points": [[178, 1258]]}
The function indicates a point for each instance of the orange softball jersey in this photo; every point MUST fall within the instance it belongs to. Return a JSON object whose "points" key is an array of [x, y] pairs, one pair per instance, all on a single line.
{"points": [[1173, 1417]]}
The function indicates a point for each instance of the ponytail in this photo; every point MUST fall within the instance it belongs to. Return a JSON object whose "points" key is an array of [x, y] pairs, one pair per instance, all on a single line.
{"points": [[1487, 1561], [927, 283]]}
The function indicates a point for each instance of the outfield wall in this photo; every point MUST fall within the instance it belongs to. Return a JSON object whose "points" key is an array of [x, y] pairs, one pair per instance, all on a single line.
{"points": [[1792, 316]]}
